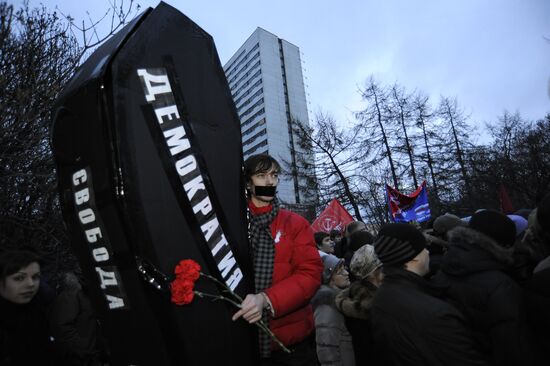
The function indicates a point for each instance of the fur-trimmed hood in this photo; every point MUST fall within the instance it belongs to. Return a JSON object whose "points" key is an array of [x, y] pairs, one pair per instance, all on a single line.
{"points": [[355, 301], [472, 251], [324, 296]]}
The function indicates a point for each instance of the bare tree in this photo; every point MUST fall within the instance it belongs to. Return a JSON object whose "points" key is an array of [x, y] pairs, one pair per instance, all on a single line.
{"points": [[518, 157], [329, 172], [39, 54], [373, 128], [454, 121], [423, 116], [400, 113]]}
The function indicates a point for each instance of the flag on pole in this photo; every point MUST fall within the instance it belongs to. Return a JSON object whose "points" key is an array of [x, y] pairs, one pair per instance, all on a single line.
{"points": [[506, 206], [406, 208], [333, 217]]}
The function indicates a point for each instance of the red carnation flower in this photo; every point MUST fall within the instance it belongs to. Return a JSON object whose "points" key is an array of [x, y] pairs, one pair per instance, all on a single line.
{"points": [[187, 269], [182, 291], [187, 273]]}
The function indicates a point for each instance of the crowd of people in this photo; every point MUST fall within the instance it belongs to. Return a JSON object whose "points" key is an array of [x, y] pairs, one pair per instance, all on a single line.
{"points": [[464, 291]]}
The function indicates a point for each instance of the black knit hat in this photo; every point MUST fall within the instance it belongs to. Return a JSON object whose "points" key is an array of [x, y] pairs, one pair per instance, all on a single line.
{"points": [[495, 225], [398, 243], [360, 238]]}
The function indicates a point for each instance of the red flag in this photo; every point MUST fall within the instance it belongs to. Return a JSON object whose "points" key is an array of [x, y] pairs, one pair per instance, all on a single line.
{"points": [[334, 216], [505, 201]]}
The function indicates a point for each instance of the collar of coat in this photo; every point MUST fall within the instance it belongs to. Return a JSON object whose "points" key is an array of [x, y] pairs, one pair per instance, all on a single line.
{"points": [[355, 301], [324, 296], [465, 235]]}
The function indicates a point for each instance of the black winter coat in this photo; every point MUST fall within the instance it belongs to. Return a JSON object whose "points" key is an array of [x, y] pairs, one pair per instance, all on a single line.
{"points": [[537, 301], [74, 327], [474, 270], [411, 326], [24, 338], [355, 302]]}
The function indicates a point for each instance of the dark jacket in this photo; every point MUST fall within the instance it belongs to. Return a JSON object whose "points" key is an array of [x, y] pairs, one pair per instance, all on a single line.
{"points": [[74, 327], [475, 271], [24, 338], [340, 247], [537, 302], [334, 346], [355, 303], [296, 276], [411, 326]]}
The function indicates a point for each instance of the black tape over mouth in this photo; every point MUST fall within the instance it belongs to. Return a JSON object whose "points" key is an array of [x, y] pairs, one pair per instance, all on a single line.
{"points": [[266, 191]]}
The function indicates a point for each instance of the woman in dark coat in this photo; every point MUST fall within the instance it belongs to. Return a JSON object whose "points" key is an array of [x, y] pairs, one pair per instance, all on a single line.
{"points": [[24, 338], [475, 271]]}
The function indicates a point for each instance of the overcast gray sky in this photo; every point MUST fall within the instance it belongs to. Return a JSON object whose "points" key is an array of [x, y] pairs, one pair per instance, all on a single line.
{"points": [[491, 54]]}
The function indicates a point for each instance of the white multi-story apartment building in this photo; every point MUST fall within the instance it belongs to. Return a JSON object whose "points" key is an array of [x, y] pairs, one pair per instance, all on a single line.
{"points": [[267, 85]]}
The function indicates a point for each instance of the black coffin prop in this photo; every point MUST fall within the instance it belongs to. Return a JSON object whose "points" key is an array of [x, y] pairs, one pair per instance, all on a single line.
{"points": [[148, 150]]}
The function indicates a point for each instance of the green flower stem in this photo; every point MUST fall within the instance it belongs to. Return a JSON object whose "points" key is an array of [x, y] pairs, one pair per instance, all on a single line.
{"points": [[268, 331], [260, 324], [216, 298], [223, 285]]}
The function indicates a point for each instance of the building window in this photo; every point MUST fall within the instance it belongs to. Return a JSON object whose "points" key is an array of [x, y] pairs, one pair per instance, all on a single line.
{"points": [[259, 82], [240, 61], [251, 119], [256, 125], [243, 52], [255, 148], [247, 83], [255, 137], [239, 73], [246, 74], [255, 105], [249, 100]]}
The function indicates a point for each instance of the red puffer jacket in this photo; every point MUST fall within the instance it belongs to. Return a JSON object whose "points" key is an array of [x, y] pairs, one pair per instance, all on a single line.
{"points": [[296, 276]]}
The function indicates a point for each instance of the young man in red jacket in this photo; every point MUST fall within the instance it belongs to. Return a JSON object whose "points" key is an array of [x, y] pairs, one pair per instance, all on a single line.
{"points": [[287, 269]]}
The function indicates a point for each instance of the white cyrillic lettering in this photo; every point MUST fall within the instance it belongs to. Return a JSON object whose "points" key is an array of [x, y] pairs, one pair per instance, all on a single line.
{"points": [[186, 165], [193, 186], [155, 84], [100, 254], [106, 278], [82, 196], [175, 138], [226, 264], [86, 216], [171, 112], [93, 234], [209, 228], [235, 279], [80, 177], [114, 302], [223, 242], [203, 206]]}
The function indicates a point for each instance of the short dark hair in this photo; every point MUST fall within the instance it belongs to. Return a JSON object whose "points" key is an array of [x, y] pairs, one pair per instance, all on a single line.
{"points": [[259, 163], [334, 233], [354, 226], [319, 236], [13, 260]]}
